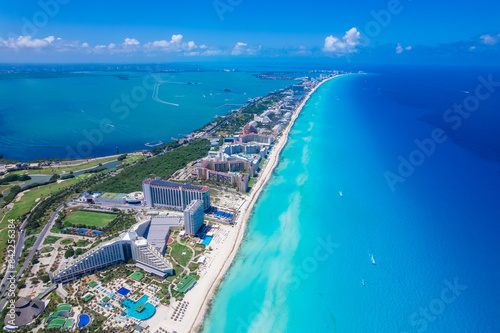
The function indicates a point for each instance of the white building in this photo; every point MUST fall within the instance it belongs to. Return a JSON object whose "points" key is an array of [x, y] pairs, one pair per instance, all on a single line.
{"points": [[193, 217], [128, 246]]}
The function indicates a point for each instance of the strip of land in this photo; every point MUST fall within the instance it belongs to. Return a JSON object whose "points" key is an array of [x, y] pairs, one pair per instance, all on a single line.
{"points": [[202, 294]]}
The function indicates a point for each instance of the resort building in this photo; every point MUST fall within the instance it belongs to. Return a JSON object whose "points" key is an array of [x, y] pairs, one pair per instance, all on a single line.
{"points": [[254, 138], [159, 230], [223, 172], [160, 193], [128, 246], [193, 217]]}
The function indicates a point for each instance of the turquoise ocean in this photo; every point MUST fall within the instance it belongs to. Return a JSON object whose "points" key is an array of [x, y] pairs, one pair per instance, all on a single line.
{"points": [[77, 115], [305, 264]]}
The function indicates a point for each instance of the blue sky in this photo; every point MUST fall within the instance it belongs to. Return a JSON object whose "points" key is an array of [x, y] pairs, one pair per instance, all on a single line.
{"points": [[418, 31]]}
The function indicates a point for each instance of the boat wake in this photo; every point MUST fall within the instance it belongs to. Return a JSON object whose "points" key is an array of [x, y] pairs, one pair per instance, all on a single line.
{"points": [[155, 96]]}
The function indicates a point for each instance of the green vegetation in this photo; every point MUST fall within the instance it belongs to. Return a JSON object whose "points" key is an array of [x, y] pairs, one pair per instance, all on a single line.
{"points": [[28, 200], [82, 243], [50, 240], [130, 179], [14, 190], [66, 241], [264, 103], [168, 146], [14, 178], [29, 242], [121, 222], [234, 123], [251, 182], [176, 251], [136, 276], [66, 169], [69, 253], [96, 170], [122, 157], [89, 219]]}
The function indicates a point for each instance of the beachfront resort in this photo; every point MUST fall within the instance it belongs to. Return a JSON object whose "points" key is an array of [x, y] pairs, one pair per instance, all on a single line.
{"points": [[150, 260]]}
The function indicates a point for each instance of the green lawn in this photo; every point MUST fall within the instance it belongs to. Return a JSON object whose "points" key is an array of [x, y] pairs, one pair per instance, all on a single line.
{"points": [[66, 241], [89, 219], [82, 243], [136, 276], [50, 240], [176, 253]]}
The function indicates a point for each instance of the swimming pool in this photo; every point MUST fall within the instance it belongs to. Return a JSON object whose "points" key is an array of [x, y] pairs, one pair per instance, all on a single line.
{"points": [[83, 320], [207, 240], [123, 291], [130, 308]]}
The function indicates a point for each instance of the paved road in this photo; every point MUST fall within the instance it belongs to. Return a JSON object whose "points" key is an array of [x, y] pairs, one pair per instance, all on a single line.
{"points": [[19, 248]]}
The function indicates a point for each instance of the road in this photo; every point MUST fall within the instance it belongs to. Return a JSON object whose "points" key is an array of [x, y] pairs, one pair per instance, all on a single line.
{"points": [[19, 248]]}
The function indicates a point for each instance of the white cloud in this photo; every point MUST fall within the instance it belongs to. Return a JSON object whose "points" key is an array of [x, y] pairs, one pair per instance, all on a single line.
{"points": [[177, 38], [239, 48], [111, 46], [174, 45], [28, 42], [347, 44], [400, 49], [85, 45], [489, 39], [191, 45], [131, 41]]}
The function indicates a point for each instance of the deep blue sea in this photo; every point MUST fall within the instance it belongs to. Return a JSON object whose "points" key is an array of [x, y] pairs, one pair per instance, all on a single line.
{"points": [[78, 115], [432, 226]]}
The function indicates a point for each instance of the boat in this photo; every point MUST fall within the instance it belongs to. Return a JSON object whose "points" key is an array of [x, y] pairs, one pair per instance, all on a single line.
{"points": [[373, 259], [363, 282], [340, 192]]}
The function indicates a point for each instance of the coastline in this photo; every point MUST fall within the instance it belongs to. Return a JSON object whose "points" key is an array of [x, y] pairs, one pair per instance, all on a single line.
{"points": [[207, 293]]}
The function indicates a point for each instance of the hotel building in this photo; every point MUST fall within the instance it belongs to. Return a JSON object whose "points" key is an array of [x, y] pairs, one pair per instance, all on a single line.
{"points": [[193, 217], [160, 193], [145, 247]]}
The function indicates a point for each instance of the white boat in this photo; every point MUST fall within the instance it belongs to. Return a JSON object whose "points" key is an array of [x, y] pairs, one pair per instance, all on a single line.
{"points": [[340, 192], [373, 259], [363, 282]]}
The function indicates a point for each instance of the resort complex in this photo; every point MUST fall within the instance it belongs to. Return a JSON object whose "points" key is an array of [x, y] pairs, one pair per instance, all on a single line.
{"points": [[128, 246], [145, 260]]}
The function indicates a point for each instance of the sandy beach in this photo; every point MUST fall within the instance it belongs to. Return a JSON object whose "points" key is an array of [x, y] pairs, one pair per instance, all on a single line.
{"points": [[201, 295]]}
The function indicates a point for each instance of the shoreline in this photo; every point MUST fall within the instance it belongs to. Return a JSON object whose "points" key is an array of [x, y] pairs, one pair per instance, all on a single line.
{"points": [[243, 218]]}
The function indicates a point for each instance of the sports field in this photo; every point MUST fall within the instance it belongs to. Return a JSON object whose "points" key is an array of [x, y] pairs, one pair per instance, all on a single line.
{"points": [[136, 276], [89, 219]]}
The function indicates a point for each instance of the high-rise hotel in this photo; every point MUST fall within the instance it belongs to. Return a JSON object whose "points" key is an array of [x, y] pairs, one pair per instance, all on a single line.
{"points": [[161, 193]]}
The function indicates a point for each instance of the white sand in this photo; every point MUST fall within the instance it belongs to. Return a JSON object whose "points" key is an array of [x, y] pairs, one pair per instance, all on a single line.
{"points": [[20, 195], [223, 253]]}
